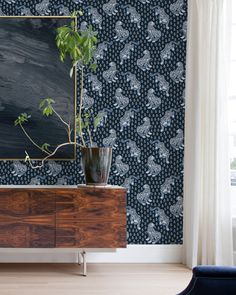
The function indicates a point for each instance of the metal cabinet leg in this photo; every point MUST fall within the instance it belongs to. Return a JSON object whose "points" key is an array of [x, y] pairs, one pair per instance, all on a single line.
{"points": [[79, 259], [84, 264]]}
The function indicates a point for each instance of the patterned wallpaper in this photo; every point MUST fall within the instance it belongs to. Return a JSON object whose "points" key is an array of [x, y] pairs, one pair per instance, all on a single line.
{"points": [[139, 90]]}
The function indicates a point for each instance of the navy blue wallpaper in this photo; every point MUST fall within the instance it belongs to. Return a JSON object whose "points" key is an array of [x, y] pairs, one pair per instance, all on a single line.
{"points": [[139, 90]]}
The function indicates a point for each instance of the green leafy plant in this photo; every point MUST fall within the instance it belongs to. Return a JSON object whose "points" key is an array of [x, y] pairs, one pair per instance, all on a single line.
{"points": [[48, 109], [79, 46]]}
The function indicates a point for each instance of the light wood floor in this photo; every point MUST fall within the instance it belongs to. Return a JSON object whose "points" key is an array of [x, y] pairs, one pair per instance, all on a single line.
{"points": [[103, 279]]}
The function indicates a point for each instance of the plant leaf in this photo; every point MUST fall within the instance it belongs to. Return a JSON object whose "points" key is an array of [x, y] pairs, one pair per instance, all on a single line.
{"points": [[97, 120], [93, 67], [22, 118], [45, 146], [78, 45]]}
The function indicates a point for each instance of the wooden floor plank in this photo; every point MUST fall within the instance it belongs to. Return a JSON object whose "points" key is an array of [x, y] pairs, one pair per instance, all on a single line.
{"points": [[102, 279]]}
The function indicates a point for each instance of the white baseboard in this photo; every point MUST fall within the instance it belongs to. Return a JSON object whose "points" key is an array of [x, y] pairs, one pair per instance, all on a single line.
{"points": [[132, 254]]}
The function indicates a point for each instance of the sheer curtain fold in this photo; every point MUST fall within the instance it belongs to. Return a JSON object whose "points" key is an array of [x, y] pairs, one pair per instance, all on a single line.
{"points": [[207, 210]]}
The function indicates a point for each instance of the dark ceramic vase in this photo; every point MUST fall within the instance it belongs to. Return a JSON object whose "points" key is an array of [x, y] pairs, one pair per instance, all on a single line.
{"points": [[96, 164]]}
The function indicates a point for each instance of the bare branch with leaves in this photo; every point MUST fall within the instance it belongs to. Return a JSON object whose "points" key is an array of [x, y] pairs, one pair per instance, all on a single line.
{"points": [[79, 45]]}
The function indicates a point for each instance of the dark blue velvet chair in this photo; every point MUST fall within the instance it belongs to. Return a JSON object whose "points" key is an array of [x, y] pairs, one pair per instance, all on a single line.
{"points": [[212, 280]]}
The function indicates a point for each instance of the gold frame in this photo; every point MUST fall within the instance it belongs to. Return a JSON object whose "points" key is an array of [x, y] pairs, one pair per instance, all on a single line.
{"points": [[75, 81]]}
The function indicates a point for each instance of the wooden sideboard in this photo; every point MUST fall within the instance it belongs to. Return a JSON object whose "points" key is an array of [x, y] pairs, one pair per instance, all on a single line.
{"points": [[83, 217]]}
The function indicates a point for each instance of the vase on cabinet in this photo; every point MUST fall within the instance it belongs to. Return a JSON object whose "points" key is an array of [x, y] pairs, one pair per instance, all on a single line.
{"points": [[96, 164]]}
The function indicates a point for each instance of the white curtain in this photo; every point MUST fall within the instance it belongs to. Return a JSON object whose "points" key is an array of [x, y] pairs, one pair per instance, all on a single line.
{"points": [[207, 209]]}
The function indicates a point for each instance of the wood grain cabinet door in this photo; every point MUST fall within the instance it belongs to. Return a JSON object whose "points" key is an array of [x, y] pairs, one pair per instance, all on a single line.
{"points": [[27, 218], [91, 218]]}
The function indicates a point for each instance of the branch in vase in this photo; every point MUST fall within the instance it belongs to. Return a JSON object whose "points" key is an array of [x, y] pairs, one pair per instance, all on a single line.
{"points": [[48, 157], [68, 127], [81, 104], [32, 141]]}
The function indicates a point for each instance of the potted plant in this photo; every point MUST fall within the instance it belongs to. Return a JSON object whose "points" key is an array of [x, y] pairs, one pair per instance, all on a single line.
{"points": [[79, 45]]}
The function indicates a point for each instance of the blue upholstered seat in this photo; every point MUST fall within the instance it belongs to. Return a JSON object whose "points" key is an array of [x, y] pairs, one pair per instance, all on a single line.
{"points": [[215, 280]]}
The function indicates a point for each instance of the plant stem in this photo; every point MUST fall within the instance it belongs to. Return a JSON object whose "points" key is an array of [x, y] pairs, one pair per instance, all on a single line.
{"points": [[90, 136], [69, 134], [60, 117], [51, 154], [81, 104], [68, 129], [32, 141]]}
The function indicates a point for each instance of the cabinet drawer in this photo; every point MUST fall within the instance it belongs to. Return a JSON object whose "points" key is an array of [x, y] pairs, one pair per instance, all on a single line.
{"points": [[90, 235], [18, 235], [25, 202], [107, 205], [27, 219]]}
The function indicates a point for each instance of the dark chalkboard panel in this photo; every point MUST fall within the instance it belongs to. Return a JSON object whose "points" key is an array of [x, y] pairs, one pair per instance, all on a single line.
{"points": [[30, 70]]}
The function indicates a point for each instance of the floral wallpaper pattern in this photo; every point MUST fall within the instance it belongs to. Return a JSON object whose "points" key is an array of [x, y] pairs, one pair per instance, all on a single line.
{"points": [[139, 92]]}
